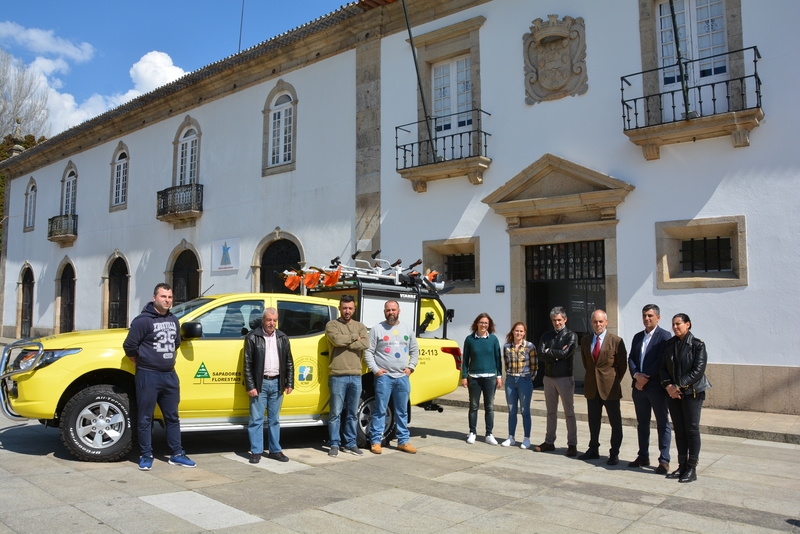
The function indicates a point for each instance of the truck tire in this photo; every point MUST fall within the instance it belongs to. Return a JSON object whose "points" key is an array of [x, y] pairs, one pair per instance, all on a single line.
{"points": [[96, 424], [364, 416]]}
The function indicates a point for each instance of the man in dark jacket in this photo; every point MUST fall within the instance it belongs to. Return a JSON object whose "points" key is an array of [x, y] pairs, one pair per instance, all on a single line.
{"points": [[152, 340], [605, 359], [647, 350], [268, 373], [556, 351]]}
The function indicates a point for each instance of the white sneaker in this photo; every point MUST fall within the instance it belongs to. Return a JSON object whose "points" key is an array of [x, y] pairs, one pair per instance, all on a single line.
{"points": [[509, 442], [526, 444], [471, 438], [490, 440]]}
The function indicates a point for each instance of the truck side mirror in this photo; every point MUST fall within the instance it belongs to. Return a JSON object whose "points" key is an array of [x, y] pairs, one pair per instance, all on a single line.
{"points": [[191, 330]]}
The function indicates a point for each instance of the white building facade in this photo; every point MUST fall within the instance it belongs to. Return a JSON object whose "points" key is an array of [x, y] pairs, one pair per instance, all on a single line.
{"points": [[544, 179]]}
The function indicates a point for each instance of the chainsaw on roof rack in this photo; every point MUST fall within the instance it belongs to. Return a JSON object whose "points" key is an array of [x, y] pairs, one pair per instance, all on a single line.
{"points": [[378, 271]]}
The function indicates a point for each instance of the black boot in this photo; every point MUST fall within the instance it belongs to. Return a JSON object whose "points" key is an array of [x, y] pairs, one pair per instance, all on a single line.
{"points": [[691, 472], [679, 472]]}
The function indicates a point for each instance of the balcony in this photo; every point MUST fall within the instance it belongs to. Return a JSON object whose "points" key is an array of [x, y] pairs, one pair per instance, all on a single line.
{"points": [[181, 205], [721, 92], [62, 229], [459, 148]]}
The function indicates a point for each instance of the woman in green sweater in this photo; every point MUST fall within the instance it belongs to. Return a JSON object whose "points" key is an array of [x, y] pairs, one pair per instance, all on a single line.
{"points": [[481, 372]]}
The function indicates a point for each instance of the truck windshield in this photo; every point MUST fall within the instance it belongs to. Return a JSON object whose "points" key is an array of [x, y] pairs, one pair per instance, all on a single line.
{"points": [[179, 310]]}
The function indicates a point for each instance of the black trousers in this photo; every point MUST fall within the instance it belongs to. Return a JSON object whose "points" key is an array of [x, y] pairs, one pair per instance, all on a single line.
{"points": [[595, 413], [685, 414]]}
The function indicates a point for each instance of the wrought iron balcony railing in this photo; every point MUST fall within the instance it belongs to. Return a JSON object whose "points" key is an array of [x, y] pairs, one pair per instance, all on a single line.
{"points": [[182, 202], [62, 228], [455, 136], [695, 88]]}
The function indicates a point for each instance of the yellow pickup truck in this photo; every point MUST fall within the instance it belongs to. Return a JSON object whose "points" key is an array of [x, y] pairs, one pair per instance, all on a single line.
{"points": [[82, 382]]}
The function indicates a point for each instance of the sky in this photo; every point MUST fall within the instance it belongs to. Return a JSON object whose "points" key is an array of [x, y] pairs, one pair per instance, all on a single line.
{"points": [[96, 55]]}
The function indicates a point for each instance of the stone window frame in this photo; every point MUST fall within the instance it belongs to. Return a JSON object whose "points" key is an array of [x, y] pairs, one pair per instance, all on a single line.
{"points": [[281, 87], [456, 40], [670, 234], [121, 148], [29, 220], [188, 122], [434, 257]]}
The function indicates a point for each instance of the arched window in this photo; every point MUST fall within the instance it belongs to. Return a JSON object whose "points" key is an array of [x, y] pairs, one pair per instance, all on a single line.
{"points": [[69, 193], [118, 294], [186, 153], [280, 129], [67, 299], [187, 157], [30, 205], [185, 277], [119, 177], [26, 315], [279, 256]]}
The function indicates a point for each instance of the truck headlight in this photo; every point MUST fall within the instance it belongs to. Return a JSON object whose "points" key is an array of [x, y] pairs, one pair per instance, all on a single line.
{"points": [[25, 360]]}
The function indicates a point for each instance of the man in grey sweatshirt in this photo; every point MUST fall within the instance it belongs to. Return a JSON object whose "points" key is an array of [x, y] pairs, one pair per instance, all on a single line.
{"points": [[392, 356]]}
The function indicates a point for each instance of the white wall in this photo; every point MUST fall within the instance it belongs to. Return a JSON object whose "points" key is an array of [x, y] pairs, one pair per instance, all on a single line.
{"points": [[704, 179], [315, 202]]}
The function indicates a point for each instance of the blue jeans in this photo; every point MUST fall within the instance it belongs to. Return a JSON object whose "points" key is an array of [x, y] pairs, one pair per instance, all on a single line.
{"points": [[163, 388], [486, 385], [345, 393], [270, 398], [519, 390], [399, 390]]}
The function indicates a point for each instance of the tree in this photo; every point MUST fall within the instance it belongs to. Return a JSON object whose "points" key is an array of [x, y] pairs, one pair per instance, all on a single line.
{"points": [[22, 96]]}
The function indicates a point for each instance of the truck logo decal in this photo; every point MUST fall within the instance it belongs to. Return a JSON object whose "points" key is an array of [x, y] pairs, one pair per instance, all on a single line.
{"points": [[217, 377]]}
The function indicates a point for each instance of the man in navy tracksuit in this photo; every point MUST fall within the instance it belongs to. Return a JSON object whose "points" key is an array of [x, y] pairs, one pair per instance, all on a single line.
{"points": [[151, 344]]}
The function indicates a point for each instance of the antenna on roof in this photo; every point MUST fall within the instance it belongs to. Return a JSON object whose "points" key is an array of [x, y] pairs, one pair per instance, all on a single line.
{"points": [[241, 22]]}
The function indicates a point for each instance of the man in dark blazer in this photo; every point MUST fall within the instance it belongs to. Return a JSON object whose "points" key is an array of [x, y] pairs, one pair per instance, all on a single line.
{"points": [[605, 359], [647, 349]]}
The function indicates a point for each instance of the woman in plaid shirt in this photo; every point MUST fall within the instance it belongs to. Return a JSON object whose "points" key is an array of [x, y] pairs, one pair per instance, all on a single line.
{"points": [[520, 359]]}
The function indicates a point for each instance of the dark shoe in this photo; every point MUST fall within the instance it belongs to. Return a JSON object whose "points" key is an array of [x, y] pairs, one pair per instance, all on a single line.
{"points": [[279, 456], [354, 450], [613, 459], [679, 472], [591, 454], [640, 462], [689, 476], [683, 462], [545, 447], [572, 451], [662, 469], [255, 458], [334, 451]]}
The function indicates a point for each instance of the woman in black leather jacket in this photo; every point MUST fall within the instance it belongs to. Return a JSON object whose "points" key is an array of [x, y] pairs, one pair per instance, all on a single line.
{"points": [[683, 370]]}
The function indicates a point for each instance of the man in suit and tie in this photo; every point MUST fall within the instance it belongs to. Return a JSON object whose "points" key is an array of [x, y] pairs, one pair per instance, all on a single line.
{"points": [[605, 359], [646, 352]]}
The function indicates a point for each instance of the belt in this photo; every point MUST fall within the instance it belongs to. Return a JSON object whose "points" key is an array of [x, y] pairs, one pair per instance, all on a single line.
{"points": [[274, 377]]}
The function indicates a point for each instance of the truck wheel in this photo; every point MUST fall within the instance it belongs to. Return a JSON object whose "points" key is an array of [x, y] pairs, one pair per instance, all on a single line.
{"points": [[96, 424], [364, 415]]}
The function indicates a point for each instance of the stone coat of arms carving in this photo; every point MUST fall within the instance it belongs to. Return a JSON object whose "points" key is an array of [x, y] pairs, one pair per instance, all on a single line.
{"points": [[555, 59]]}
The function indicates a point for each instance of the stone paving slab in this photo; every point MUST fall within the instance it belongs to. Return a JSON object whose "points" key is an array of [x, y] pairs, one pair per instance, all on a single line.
{"points": [[744, 485]]}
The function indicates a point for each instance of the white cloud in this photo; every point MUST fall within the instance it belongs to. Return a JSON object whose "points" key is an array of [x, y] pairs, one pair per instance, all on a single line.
{"points": [[154, 70], [44, 42], [54, 55]]}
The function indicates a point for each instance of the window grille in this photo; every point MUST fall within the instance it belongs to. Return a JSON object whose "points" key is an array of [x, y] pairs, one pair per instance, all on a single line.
{"points": [[709, 254], [584, 260], [460, 267]]}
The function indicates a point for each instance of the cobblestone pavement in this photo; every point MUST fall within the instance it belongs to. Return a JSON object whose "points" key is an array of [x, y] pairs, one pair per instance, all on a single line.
{"points": [[744, 485]]}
